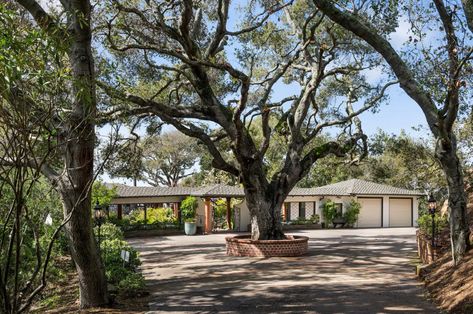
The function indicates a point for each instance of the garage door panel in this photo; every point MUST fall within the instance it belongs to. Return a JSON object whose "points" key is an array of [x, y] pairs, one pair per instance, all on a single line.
{"points": [[370, 212], [400, 212]]}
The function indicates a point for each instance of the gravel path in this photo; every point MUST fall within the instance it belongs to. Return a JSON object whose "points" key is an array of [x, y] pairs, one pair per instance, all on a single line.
{"points": [[346, 271]]}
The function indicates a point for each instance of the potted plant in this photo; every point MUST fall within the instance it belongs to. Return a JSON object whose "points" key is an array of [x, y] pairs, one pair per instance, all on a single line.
{"points": [[188, 210]]}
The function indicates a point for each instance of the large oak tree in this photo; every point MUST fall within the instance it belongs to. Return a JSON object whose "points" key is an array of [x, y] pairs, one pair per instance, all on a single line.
{"points": [[209, 68]]}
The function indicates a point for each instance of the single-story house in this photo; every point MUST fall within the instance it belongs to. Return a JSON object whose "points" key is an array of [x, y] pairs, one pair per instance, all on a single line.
{"points": [[381, 205]]}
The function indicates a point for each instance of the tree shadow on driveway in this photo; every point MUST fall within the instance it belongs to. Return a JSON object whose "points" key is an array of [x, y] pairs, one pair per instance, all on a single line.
{"points": [[341, 274]]}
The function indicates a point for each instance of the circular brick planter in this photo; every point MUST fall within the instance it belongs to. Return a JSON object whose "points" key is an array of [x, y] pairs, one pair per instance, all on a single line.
{"points": [[244, 246]]}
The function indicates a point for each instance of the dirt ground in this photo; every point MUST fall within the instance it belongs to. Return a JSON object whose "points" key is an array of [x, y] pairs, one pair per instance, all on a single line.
{"points": [[452, 288], [346, 271]]}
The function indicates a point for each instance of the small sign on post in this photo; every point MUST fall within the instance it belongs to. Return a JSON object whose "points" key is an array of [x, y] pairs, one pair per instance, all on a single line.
{"points": [[125, 255], [49, 220]]}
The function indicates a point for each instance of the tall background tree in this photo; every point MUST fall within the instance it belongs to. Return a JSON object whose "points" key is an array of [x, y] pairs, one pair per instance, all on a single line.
{"points": [[159, 159], [433, 70], [210, 80], [71, 171]]}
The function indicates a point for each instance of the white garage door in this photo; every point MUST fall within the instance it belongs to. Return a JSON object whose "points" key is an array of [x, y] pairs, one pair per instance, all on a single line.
{"points": [[370, 212], [400, 212]]}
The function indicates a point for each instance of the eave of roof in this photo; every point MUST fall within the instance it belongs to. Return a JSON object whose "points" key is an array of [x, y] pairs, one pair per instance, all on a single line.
{"points": [[344, 188]]}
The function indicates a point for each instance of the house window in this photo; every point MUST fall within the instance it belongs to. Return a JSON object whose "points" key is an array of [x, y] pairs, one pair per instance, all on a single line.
{"points": [[339, 209], [301, 210]]}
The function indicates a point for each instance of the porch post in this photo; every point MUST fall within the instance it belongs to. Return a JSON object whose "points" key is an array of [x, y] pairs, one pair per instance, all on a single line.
{"points": [[119, 211], [283, 210], [208, 216], [175, 208], [145, 214], [178, 209], [229, 214]]}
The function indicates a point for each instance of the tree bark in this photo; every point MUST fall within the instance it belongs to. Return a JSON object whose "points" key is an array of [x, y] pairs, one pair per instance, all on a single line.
{"points": [[459, 229], [79, 157], [265, 211], [84, 252], [468, 9]]}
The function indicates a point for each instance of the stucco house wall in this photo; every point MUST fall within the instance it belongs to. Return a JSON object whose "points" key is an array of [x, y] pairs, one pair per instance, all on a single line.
{"points": [[200, 212], [245, 218], [320, 201]]}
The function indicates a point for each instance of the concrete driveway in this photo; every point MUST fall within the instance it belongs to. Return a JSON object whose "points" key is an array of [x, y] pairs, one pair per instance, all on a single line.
{"points": [[346, 271]]}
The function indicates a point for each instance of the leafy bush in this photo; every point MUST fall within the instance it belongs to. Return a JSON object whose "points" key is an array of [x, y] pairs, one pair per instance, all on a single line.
{"points": [[300, 221], [330, 212], [315, 219], [103, 194], [425, 223], [132, 284], [110, 231], [153, 216], [352, 212], [161, 215], [125, 221], [118, 272], [188, 208]]}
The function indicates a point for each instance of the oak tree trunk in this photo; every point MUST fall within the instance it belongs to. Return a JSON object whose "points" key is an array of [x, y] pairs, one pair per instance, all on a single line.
{"points": [[265, 210], [446, 154]]}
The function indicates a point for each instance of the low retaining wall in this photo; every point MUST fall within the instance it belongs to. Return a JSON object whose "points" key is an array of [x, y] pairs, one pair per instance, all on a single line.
{"points": [[425, 249], [244, 246]]}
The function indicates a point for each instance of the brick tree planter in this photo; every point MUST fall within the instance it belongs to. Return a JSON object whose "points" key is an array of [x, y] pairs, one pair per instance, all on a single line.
{"points": [[244, 246]]}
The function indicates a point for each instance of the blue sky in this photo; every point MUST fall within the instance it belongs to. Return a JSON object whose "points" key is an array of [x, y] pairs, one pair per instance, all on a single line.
{"points": [[400, 113], [397, 114]]}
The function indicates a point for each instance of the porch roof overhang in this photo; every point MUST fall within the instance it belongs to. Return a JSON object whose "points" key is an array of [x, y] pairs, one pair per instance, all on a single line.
{"points": [[351, 187]]}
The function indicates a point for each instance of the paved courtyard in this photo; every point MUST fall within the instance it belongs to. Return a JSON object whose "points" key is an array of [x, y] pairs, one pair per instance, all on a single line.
{"points": [[346, 271]]}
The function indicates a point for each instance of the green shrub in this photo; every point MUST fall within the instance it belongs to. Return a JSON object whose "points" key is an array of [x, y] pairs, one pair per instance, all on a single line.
{"points": [[314, 219], [352, 212], [161, 215], [132, 284], [188, 208], [330, 212], [109, 231], [118, 272], [125, 221], [299, 221], [154, 216], [425, 223]]}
